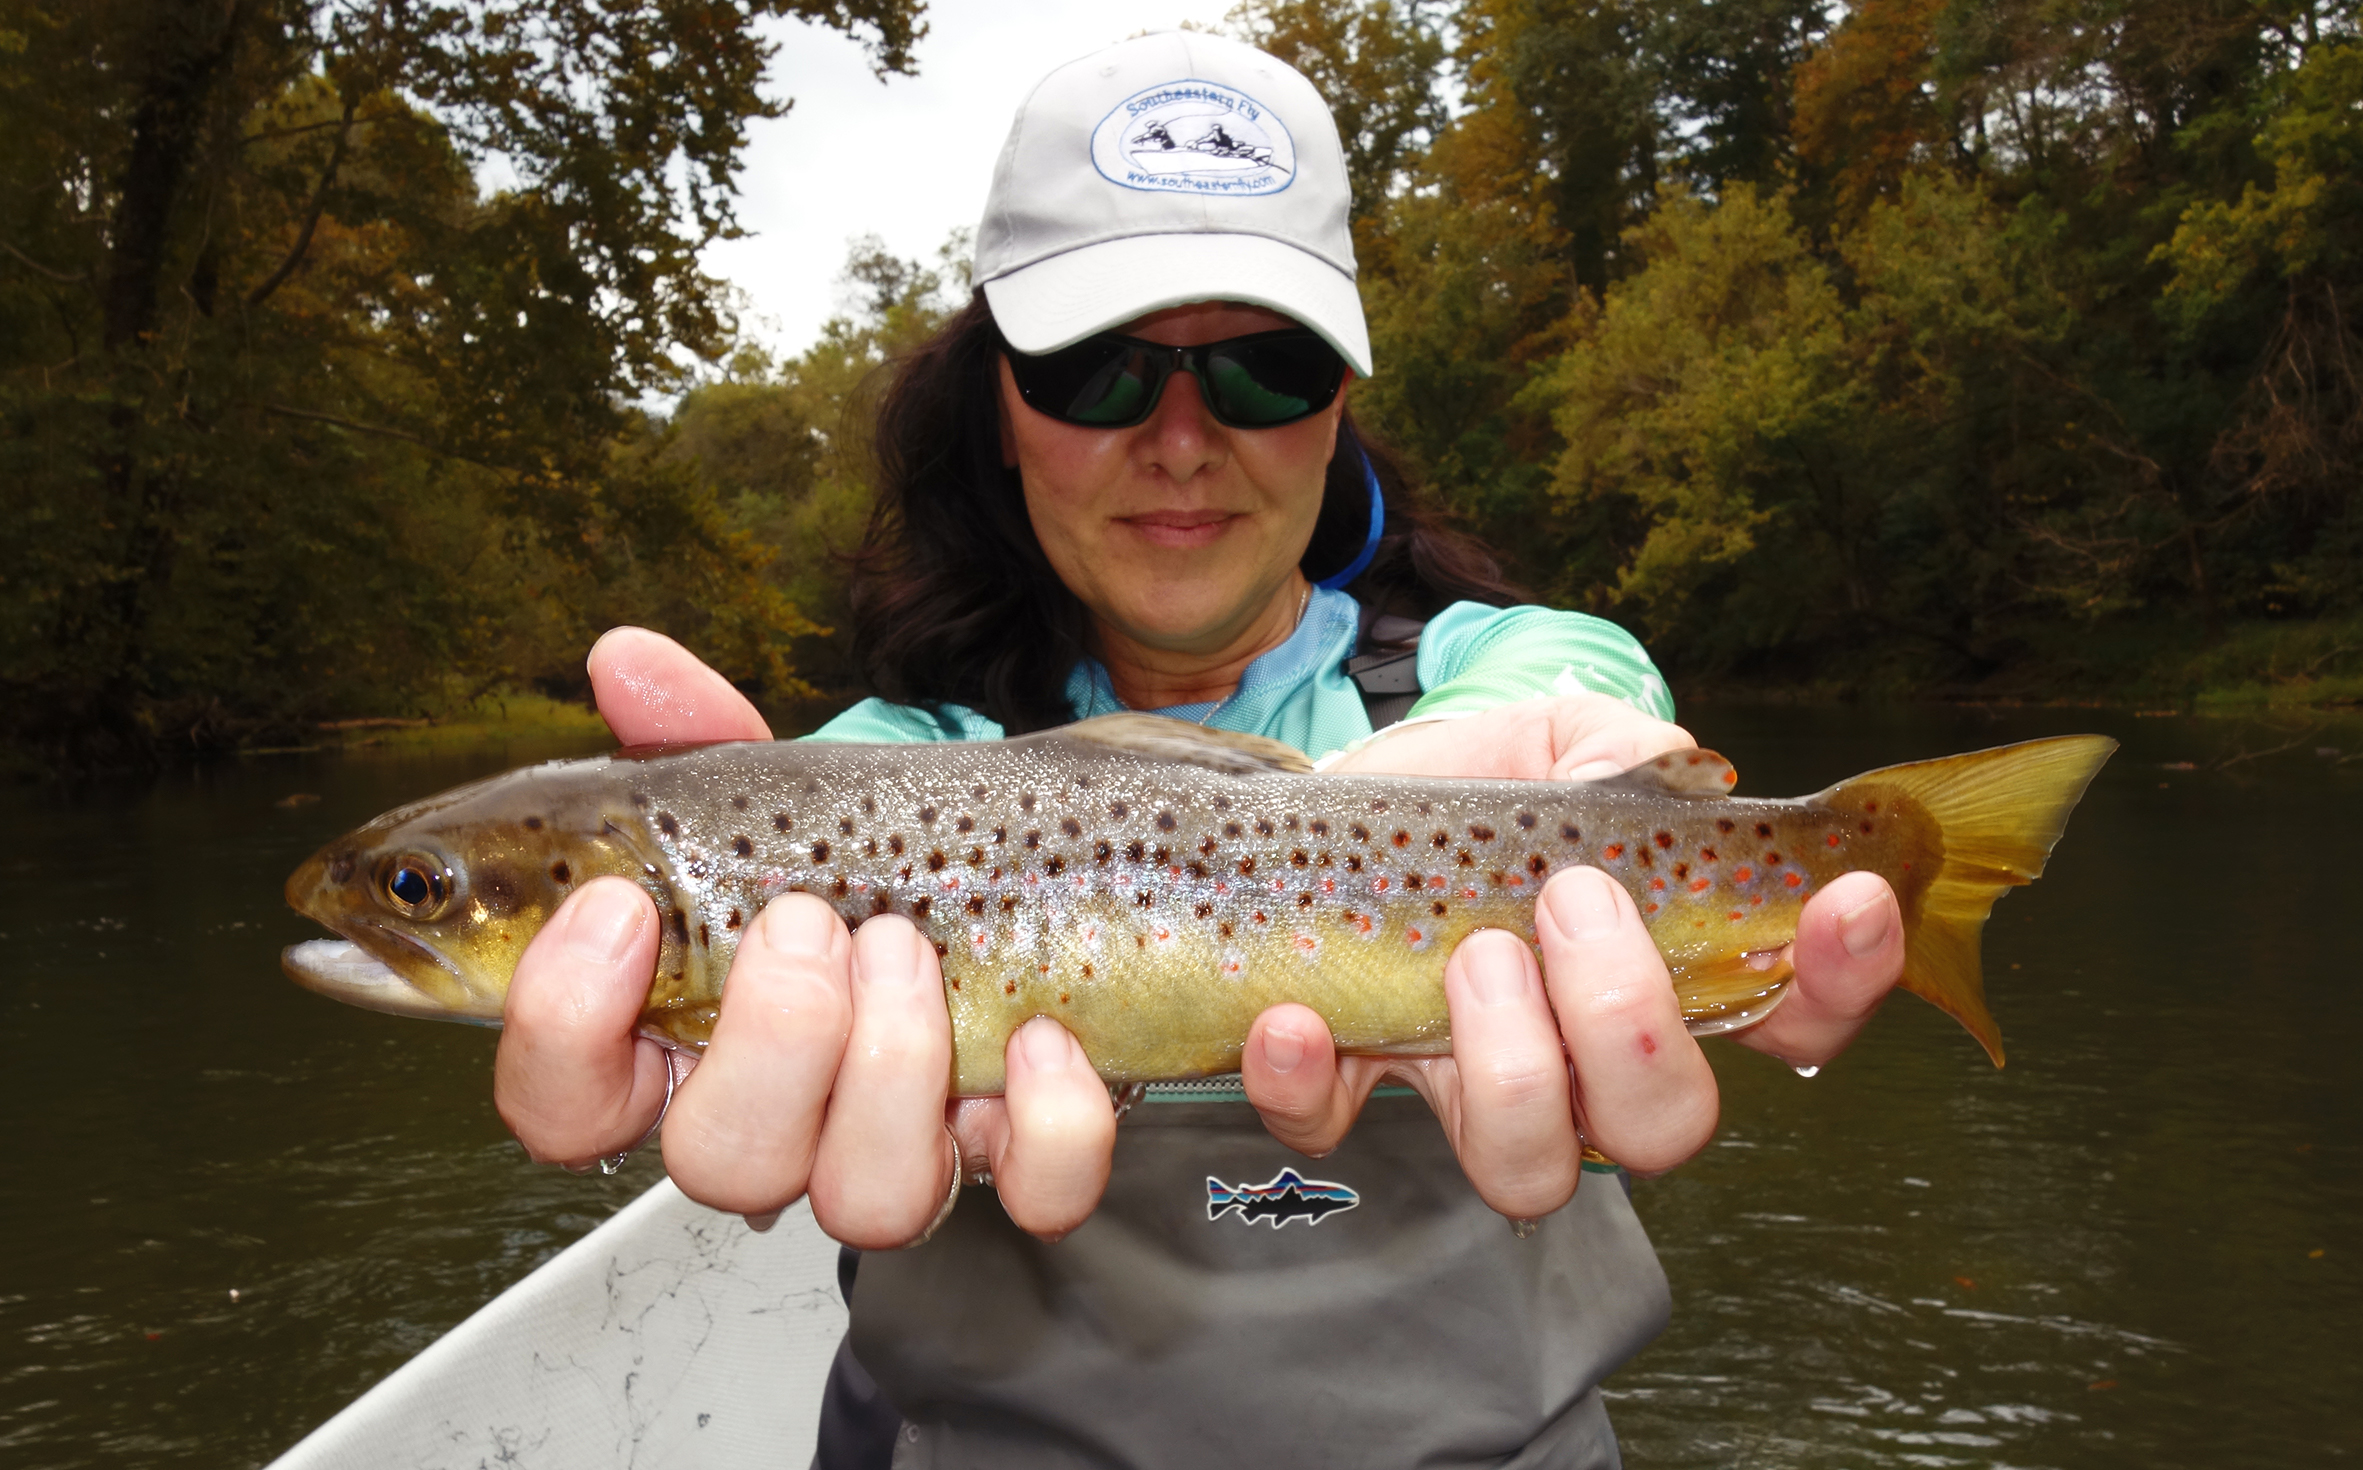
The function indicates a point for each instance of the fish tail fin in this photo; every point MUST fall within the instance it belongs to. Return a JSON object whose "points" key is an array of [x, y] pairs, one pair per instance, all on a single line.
{"points": [[1999, 811]]}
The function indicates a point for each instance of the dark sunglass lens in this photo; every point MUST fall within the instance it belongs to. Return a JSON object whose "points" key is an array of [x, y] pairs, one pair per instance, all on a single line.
{"points": [[1272, 380], [1115, 394], [1096, 381]]}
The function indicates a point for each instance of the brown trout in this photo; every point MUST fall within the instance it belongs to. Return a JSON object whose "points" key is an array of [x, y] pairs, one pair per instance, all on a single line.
{"points": [[1154, 885]]}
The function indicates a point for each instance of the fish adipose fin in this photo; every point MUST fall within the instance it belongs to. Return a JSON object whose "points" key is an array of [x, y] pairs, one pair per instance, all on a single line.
{"points": [[1686, 772], [1155, 737], [2000, 811]]}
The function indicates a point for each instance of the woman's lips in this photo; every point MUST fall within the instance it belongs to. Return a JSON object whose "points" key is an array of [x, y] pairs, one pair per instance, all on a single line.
{"points": [[1180, 529]]}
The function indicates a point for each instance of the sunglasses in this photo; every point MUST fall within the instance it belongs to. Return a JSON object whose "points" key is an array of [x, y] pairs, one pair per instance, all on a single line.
{"points": [[1111, 382]]}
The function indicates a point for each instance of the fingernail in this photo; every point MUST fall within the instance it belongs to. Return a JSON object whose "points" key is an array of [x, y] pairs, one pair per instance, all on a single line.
{"points": [[1595, 771], [1283, 1049], [800, 928], [604, 925], [1497, 979], [1865, 927], [1585, 906], [1047, 1045], [763, 1222]]}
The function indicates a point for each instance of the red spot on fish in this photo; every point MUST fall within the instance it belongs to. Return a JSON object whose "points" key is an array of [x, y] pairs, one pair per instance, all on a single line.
{"points": [[1439, 881], [1657, 885], [1701, 885], [1649, 908], [1872, 805], [1379, 884], [1736, 916], [1743, 875], [1665, 839], [1832, 839], [1613, 851], [1794, 880], [1305, 943], [1755, 899]]}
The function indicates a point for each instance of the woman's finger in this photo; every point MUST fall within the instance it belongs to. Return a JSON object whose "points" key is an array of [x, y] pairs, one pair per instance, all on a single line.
{"points": [[651, 691], [1062, 1132], [571, 1079], [1291, 1073], [1849, 953], [742, 1130], [884, 1164], [1516, 1127], [1644, 1094]]}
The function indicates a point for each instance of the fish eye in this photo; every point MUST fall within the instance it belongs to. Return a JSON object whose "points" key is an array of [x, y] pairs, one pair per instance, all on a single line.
{"points": [[415, 886]]}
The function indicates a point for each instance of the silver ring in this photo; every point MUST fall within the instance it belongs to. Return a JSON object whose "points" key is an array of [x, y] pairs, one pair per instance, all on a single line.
{"points": [[943, 1211], [613, 1163]]}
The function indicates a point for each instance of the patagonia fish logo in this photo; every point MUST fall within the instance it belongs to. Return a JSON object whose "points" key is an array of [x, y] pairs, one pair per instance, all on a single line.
{"points": [[1193, 137], [1287, 1196]]}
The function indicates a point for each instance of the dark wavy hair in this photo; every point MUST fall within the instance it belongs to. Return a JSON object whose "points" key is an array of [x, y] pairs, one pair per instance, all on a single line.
{"points": [[953, 601]]}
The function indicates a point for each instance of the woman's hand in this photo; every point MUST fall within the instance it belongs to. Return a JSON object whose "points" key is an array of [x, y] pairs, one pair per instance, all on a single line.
{"points": [[1630, 1078], [831, 1057]]}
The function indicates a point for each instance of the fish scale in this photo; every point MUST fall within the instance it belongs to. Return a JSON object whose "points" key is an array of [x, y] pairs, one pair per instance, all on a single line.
{"points": [[1150, 885]]}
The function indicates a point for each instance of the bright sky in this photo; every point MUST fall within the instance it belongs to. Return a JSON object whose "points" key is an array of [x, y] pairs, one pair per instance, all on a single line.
{"points": [[907, 159]]}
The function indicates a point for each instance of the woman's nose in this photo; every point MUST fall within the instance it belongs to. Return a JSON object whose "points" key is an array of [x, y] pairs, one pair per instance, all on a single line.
{"points": [[1181, 436]]}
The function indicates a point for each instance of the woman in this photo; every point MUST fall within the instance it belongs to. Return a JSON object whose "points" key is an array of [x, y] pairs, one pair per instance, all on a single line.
{"points": [[1113, 482]]}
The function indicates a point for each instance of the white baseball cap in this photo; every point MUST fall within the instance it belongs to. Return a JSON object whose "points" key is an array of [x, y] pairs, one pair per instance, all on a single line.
{"points": [[1168, 169]]}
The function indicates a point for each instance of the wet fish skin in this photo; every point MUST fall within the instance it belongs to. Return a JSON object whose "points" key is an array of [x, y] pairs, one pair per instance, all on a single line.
{"points": [[1154, 887]]}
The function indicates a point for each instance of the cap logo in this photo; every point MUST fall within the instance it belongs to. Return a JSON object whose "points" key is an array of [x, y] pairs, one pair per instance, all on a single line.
{"points": [[1193, 137]]}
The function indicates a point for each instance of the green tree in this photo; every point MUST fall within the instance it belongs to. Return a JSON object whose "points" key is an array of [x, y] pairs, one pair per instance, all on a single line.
{"points": [[269, 344]]}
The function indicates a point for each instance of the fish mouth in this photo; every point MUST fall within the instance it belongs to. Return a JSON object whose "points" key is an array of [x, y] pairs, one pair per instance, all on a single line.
{"points": [[349, 971]]}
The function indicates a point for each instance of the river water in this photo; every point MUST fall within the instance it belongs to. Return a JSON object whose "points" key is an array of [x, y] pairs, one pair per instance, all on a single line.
{"points": [[230, 1206]]}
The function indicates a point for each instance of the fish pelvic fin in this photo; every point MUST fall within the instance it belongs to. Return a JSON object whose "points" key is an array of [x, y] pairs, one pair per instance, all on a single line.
{"points": [[1999, 812]]}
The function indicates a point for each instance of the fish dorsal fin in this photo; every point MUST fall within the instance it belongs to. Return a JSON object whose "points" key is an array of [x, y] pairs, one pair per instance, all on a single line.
{"points": [[1687, 772], [1156, 737]]}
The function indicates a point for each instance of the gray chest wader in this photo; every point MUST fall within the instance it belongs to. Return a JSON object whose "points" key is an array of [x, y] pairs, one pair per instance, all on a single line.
{"points": [[1231, 1302]]}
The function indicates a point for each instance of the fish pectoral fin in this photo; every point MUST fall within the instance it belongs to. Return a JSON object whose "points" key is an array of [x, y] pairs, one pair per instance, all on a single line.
{"points": [[1688, 772], [1159, 738]]}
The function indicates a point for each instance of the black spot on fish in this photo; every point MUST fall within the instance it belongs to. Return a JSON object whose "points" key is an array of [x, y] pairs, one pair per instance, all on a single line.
{"points": [[782, 821], [977, 791], [927, 814], [1724, 824], [739, 803], [1225, 927], [941, 949], [894, 843], [1424, 808], [869, 847], [1437, 909], [935, 861], [845, 826], [1440, 840], [1166, 822], [966, 823], [1162, 857], [733, 921], [1133, 852], [1353, 862], [820, 852], [1304, 900], [1681, 870], [1568, 832], [880, 903], [680, 925], [1246, 865], [1206, 848], [1222, 803], [705, 937], [1054, 865], [1008, 902], [1086, 975], [1664, 839], [1402, 839], [664, 821], [869, 807], [1144, 899], [1706, 854], [1481, 832], [920, 906], [812, 788], [1263, 828], [976, 857], [1379, 805], [1538, 865], [976, 903], [1000, 835], [1203, 911], [837, 889], [1101, 851], [1361, 833], [1648, 858], [1025, 803], [1319, 828], [1526, 821], [743, 846], [1321, 860], [1070, 826], [1467, 859], [340, 867], [1763, 829], [533, 824], [1299, 858], [1033, 839], [1116, 809], [1232, 829], [560, 873]]}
